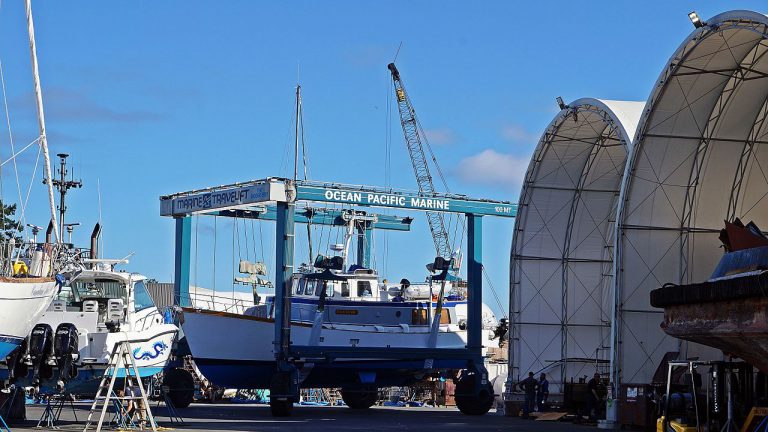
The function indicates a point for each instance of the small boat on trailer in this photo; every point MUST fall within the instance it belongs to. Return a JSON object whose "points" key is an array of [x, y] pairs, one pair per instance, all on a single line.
{"points": [[728, 311]]}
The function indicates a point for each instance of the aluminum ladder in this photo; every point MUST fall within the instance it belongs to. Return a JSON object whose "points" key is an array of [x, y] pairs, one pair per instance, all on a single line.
{"points": [[120, 359]]}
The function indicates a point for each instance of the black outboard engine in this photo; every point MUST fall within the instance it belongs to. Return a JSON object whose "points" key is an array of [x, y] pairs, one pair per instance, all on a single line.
{"points": [[40, 353], [65, 347]]}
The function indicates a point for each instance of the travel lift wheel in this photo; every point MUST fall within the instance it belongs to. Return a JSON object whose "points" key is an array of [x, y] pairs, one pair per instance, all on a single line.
{"points": [[283, 391], [471, 399], [359, 399], [181, 387], [280, 407]]}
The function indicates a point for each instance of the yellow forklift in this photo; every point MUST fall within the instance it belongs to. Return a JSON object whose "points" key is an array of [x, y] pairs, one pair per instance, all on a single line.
{"points": [[717, 403]]}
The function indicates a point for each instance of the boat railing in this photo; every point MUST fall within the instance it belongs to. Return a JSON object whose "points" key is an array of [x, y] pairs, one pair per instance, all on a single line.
{"points": [[220, 303]]}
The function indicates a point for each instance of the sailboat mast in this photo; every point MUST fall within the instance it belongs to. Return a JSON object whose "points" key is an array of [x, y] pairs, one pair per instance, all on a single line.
{"points": [[297, 132], [296, 149], [41, 119]]}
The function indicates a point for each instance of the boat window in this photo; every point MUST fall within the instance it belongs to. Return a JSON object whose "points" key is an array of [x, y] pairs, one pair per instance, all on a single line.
{"points": [[445, 317], [103, 289], [141, 298], [68, 295], [297, 286], [301, 284], [364, 289], [310, 287], [345, 289], [328, 289], [418, 317]]}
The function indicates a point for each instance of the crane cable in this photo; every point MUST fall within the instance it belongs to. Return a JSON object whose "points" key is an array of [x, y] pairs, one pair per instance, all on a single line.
{"points": [[495, 294]]}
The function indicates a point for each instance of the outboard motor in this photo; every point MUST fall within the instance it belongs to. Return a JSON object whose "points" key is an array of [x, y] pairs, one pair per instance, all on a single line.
{"points": [[40, 353], [65, 347]]}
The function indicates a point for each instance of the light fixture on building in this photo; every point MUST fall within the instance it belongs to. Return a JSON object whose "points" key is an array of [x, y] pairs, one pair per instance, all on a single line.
{"points": [[697, 22], [561, 104]]}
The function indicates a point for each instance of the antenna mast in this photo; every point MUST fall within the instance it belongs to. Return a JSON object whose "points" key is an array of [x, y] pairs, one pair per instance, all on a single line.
{"points": [[64, 185], [43, 140]]}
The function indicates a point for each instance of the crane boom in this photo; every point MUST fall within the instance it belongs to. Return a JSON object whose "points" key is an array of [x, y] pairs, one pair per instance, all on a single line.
{"points": [[419, 161]]}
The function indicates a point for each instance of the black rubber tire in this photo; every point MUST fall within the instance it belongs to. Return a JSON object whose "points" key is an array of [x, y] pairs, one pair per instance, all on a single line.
{"points": [[359, 399], [181, 387], [470, 402], [280, 408]]}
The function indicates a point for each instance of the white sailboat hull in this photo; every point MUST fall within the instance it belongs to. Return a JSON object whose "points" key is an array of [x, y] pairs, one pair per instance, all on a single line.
{"points": [[21, 305]]}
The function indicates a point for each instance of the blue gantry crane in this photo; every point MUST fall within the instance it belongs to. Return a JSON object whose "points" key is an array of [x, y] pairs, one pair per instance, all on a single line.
{"points": [[281, 196]]}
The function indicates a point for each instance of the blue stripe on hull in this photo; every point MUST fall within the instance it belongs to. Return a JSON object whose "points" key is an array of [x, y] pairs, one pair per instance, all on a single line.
{"points": [[357, 303], [7, 345], [254, 374], [237, 374]]}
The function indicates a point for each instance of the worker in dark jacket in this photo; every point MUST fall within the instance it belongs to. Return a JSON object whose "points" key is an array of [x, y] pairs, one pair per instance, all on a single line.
{"points": [[543, 394], [593, 397], [529, 387]]}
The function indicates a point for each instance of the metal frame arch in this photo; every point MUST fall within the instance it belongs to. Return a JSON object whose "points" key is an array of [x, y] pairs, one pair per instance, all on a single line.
{"points": [[718, 128], [581, 138]]}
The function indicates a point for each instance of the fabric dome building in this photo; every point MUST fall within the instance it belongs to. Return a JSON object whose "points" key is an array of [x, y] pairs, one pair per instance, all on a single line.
{"points": [[700, 156], [562, 248]]}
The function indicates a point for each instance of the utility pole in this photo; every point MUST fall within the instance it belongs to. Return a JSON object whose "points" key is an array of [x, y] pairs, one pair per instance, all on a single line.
{"points": [[63, 185]]}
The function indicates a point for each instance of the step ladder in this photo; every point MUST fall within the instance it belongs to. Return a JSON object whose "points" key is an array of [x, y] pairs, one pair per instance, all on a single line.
{"points": [[120, 359]]}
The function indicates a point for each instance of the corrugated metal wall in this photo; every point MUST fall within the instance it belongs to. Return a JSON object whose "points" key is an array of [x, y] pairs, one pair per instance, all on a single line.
{"points": [[161, 292]]}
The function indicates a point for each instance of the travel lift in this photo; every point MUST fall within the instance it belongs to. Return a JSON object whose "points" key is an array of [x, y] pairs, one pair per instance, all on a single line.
{"points": [[254, 197]]}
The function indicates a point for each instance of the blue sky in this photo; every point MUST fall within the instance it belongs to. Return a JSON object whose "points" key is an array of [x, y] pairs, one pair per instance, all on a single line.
{"points": [[152, 98]]}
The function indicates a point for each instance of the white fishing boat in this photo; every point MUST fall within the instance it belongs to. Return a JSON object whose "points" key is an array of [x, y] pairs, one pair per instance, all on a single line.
{"points": [[69, 346], [96, 307], [338, 307], [349, 314]]}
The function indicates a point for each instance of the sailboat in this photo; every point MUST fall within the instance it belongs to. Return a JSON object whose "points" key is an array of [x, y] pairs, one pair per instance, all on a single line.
{"points": [[28, 286]]}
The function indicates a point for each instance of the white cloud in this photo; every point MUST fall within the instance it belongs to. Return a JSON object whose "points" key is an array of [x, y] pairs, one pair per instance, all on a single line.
{"points": [[492, 168], [517, 133], [442, 136]]}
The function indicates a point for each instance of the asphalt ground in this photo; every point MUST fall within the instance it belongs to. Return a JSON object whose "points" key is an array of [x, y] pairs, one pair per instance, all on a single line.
{"points": [[252, 417]]}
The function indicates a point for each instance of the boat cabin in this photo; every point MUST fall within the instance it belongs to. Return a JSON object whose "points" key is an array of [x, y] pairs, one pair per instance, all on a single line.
{"points": [[361, 285]]}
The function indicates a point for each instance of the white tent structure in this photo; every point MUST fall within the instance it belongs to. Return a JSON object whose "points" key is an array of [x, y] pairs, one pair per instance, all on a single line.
{"points": [[562, 249], [700, 156]]}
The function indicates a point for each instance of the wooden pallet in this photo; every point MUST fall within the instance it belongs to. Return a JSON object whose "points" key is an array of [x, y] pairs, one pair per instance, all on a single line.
{"points": [[550, 416]]}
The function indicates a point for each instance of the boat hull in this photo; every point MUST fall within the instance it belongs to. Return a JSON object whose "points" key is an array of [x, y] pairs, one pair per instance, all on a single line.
{"points": [[236, 351], [151, 355], [730, 314], [737, 327], [22, 304]]}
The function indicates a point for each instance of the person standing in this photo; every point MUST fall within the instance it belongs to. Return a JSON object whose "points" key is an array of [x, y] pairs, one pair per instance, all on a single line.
{"points": [[593, 398], [529, 387], [543, 393]]}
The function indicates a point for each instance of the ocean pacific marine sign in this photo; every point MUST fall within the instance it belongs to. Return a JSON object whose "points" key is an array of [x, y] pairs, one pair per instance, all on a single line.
{"points": [[405, 201]]}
